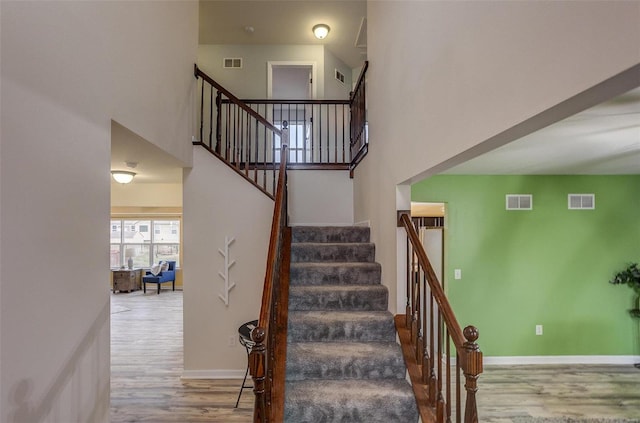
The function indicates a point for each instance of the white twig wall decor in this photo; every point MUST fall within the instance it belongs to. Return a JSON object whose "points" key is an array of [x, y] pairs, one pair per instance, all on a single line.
{"points": [[228, 286]]}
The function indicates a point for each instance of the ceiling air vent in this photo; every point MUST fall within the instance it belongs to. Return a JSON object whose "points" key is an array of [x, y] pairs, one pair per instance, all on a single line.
{"points": [[339, 76], [519, 202], [582, 201], [232, 63]]}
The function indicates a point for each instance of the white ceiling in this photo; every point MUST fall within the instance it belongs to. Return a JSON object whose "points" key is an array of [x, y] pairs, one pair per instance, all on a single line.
{"points": [[604, 139], [153, 165], [286, 22]]}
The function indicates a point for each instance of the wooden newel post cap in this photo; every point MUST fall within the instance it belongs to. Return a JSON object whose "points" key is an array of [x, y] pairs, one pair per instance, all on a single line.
{"points": [[258, 335], [471, 334]]}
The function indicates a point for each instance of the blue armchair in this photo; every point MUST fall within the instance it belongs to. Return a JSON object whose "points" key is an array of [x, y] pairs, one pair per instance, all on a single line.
{"points": [[162, 277]]}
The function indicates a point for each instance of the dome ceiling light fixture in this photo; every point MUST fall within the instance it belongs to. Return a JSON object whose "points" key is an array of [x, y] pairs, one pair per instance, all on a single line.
{"points": [[321, 31], [123, 176]]}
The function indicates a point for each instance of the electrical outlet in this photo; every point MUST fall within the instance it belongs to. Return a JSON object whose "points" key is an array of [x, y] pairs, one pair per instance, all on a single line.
{"points": [[231, 341], [457, 274], [538, 329]]}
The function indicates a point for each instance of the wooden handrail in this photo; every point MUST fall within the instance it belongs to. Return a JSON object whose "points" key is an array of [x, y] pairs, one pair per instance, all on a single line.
{"points": [[359, 142], [434, 283], [198, 73], [360, 80], [263, 363], [272, 101], [425, 356]]}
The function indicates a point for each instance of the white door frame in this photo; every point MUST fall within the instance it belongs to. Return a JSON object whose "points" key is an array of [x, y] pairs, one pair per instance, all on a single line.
{"points": [[272, 64]]}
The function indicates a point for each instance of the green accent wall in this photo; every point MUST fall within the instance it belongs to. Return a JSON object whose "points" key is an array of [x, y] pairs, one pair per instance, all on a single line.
{"points": [[548, 266]]}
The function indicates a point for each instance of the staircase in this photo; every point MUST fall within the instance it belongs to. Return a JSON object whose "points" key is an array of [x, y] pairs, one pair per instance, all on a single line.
{"points": [[343, 363]]}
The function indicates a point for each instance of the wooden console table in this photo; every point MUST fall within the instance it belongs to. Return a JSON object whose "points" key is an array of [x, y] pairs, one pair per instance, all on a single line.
{"points": [[127, 280]]}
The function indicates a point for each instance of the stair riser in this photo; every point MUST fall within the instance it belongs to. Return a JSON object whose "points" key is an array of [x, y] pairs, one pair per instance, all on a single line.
{"points": [[335, 253], [364, 274], [329, 234], [356, 300]]}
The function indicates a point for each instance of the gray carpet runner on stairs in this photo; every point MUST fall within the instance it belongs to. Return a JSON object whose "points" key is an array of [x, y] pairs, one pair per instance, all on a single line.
{"points": [[343, 362]]}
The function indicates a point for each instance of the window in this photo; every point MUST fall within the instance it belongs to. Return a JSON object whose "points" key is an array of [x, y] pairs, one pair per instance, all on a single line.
{"points": [[137, 242]]}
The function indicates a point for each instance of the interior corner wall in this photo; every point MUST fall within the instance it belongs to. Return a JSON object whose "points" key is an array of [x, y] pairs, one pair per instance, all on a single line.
{"points": [[446, 76], [250, 82], [548, 266], [219, 203], [334, 89], [64, 69]]}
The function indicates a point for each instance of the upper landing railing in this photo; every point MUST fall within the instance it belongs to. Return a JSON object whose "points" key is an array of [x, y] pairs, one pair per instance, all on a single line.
{"points": [[245, 134]]}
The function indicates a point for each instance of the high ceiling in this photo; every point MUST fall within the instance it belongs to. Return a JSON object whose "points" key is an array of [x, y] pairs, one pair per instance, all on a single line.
{"points": [[287, 22], [604, 139]]}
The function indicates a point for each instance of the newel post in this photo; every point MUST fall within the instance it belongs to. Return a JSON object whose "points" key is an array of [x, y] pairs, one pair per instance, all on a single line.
{"points": [[472, 369], [257, 363]]}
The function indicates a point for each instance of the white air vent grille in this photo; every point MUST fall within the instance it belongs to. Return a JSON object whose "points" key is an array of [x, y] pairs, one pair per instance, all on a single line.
{"points": [[519, 202], [582, 201], [232, 63], [339, 76]]}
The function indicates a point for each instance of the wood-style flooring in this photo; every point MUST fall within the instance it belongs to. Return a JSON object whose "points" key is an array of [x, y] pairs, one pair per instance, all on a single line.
{"points": [[147, 363], [577, 391]]}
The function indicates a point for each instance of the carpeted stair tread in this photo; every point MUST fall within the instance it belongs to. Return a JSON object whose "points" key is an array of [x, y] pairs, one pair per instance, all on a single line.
{"points": [[332, 360], [329, 234], [341, 326], [343, 363], [338, 297], [335, 273], [332, 252], [353, 401]]}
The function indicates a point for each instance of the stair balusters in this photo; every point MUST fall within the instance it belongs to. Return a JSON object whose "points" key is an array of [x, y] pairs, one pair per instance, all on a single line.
{"points": [[433, 371]]}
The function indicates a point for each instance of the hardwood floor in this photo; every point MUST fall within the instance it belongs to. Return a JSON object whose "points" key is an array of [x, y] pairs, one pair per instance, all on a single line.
{"points": [[146, 365]]}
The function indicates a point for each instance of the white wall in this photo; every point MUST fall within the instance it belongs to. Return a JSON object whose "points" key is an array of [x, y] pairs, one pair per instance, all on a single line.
{"points": [[251, 80], [320, 197], [333, 88], [446, 76], [146, 195], [67, 69], [219, 203]]}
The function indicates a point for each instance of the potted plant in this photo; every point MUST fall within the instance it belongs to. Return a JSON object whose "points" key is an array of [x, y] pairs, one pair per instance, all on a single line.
{"points": [[631, 277]]}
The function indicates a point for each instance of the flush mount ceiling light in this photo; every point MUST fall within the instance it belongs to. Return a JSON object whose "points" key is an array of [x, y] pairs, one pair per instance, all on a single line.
{"points": [[122, 176], [321, 31]]}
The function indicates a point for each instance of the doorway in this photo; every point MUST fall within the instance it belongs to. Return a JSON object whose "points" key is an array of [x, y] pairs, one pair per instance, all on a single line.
{"points": [[289, 84]]}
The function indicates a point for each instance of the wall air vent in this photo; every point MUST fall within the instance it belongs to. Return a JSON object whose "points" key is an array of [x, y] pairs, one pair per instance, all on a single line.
{"points": [[232, 63], [339, 76], [582, 201], [519, 202]]}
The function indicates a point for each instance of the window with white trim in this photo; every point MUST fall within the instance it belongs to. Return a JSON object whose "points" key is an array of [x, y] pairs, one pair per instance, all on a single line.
{"points": [[144, 246]]}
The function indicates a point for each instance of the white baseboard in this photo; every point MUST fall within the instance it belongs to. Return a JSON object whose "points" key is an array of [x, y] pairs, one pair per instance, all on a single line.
{"points": [[366, 223], [564, 359], [213, 374]]}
